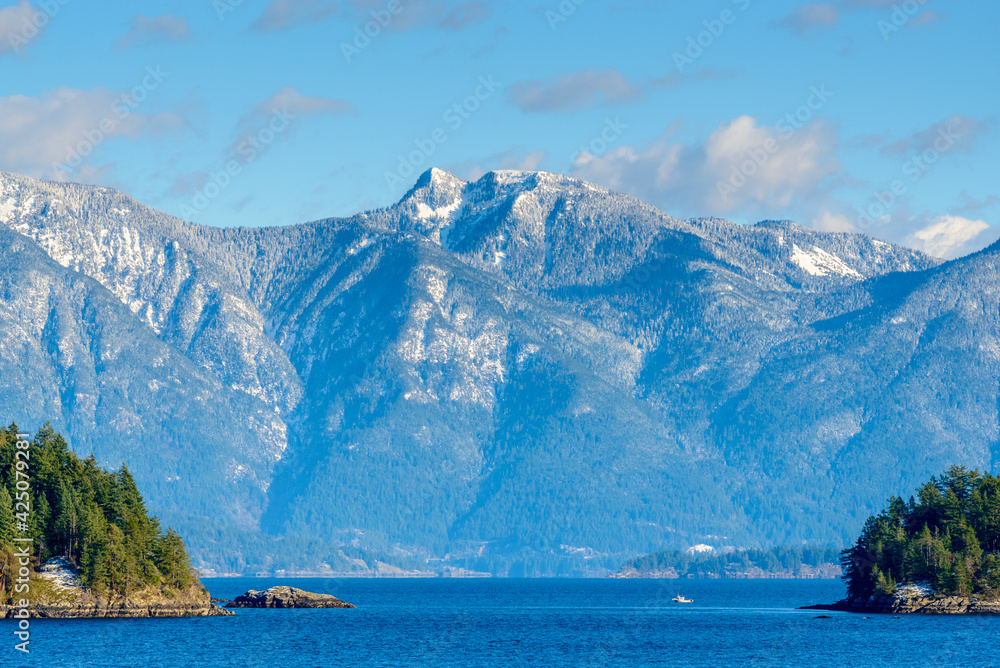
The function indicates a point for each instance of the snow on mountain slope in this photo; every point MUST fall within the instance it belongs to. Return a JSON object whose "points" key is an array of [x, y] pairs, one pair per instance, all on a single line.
{"points": [[454, 371], [817, 262], [153, 264], [72, 354]]}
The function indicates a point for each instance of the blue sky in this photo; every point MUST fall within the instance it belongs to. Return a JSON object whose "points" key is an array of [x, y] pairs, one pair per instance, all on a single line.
{"points": [[852, 115]]}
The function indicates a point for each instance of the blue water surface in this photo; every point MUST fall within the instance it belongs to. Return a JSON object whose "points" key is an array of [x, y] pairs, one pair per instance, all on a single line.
{"points": [[550, 623]]}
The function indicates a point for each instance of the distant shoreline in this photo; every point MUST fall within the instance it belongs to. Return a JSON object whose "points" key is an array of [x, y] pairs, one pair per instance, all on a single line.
{"points": [[350, 576], [435, 576], [725, 576], [723, 571]]}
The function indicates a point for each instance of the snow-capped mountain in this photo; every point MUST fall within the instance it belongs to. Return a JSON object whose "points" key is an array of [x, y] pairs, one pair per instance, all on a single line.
{"points": [[526, 361]]}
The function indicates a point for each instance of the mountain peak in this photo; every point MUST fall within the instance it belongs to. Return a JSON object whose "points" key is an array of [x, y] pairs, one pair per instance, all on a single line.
{"points": [[435, 179], [429, 205]]}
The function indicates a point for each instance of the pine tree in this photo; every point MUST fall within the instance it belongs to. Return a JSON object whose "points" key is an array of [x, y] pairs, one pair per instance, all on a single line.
{"points": [[93, 548], [970, 548], [961, 481], [884, 584], [7, 520], [172, 557], [959, 582], [8, 571], [67, 521], [949, 535], [118, 564], [96, 518], [951, 510], [990, 573], [38, 523]]}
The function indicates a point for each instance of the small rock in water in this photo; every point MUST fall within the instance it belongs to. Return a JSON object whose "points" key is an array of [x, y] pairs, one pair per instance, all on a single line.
{"points": [[287, 597]]}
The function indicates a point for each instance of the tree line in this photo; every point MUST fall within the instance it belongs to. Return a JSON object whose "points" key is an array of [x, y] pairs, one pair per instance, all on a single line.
{"points": [[94, 518], [708, 564], [947, 537]]}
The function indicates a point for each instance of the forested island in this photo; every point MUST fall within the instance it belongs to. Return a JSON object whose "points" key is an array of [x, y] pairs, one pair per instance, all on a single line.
{"points": [[95, 550], [936, 553], [781, 562]]}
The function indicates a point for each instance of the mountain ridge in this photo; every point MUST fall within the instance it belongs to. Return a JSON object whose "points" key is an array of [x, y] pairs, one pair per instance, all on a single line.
{"points": [[523, 362]]}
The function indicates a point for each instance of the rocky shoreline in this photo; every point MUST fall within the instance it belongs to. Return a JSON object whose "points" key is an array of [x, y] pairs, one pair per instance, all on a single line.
{"points": [[915, 599], [147, 603], [57, 593]]}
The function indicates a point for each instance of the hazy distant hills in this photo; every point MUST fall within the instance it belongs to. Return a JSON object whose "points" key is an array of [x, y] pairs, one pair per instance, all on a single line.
{"points": [[526, 365]]}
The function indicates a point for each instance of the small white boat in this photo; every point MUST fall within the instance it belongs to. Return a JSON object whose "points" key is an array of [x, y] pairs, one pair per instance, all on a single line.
{"points": [[681, 599]]}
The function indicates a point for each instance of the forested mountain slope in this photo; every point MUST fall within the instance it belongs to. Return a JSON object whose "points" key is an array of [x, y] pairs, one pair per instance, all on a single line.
{"points": [[523, 363]]}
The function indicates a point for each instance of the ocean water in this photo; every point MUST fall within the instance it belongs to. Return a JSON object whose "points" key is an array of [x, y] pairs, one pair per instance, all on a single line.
{"points": [[550, 623]]}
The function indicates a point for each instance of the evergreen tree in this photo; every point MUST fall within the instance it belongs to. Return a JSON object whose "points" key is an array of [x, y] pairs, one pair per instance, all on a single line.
{"points": [[97, 519], [67, 521], [173, 560], [884, 584], [948, 536], [7, 521], [41, 515]]}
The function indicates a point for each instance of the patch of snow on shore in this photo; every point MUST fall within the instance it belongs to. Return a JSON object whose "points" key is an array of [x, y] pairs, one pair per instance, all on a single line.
{"points": [[61, 574], [922, 589]]}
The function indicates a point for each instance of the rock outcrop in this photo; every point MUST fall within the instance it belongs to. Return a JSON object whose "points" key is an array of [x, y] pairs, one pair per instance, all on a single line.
{"points": [[287, 597], [57, 593], [916, 599]]}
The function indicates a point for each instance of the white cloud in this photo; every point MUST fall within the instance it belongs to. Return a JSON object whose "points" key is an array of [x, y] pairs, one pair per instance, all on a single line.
{"points": [[829, 221], [147, 30], [465, 13], [67, 126], [441, 14], [742, 168], [827, 15], [948, 236], [576, 90], [808, 17], [958, 133], [284, 14], [280, 114], [289, 97], [513, 158], [19, 25], [288, 101], [926, 18]]}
